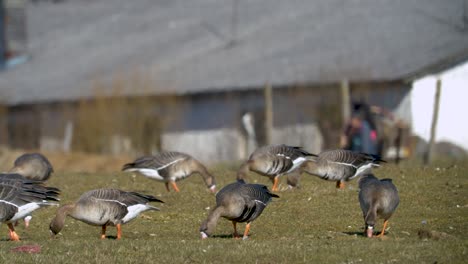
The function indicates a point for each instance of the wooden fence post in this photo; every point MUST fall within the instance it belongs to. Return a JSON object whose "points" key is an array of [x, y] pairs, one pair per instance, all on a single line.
{"points": [[268, 93], [435, 116], [345, 101], [345, 110]]}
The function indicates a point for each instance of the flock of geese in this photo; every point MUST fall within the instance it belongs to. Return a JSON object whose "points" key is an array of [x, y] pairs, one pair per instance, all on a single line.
{"points": [[23, 189]]}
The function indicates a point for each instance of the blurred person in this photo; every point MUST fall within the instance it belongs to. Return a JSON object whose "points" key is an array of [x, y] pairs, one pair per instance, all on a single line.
{"points": [[360, 133]]}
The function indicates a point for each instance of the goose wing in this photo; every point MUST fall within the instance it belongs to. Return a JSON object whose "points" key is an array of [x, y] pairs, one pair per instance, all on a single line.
{"points": [[30, 190], [9, 198], [290, 151], [347, 158], [157, 162], [254, 197], [119, 197]]}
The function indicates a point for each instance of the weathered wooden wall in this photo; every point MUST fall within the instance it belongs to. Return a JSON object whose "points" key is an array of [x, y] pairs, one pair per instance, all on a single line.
{"points": [[206, 125]]}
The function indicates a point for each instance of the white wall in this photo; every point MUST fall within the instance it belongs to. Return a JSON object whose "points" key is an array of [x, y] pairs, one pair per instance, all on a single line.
{"points": [[453, 121]]}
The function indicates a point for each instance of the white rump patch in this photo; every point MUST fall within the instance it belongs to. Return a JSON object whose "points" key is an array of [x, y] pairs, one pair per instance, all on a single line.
{"points": [[150, 173], [134, 211], [362, 170], [24, 211], [296, 163]]}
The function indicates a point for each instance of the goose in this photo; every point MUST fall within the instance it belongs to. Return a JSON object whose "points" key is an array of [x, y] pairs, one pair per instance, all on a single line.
{"points": [[340, 165], [378, 198], [274, 161], [169, 167], [19, 197], [239, 202], [104, 207], [34, 166]]}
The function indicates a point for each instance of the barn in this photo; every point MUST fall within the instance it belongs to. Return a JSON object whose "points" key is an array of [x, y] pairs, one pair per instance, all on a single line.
{"points": [[137, 77]]}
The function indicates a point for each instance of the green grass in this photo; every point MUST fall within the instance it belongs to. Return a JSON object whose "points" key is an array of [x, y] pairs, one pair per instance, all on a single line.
{"points": [[314, 224]]}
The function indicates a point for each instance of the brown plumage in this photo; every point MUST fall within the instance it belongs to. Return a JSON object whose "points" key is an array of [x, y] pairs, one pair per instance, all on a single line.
{"points": [[104, 207], [19, 197], [273, 161], [238, 202], [170, 167], [378, 199], [340, 165], [34, 166]]}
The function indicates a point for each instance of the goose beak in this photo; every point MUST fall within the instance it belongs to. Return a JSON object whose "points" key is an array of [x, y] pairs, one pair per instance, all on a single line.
{"points": [[203, 235], [52, 235], [213, 189], [370, 231]]}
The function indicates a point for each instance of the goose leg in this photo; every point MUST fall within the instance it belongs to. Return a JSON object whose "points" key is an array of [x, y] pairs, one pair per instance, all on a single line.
{"points": [[167, 186], [27, 219], [246, 232], [103, 232], [174, 185], [340, 185], [383, 228], [235, 235], [275, 184], [119, 231], [13, 235]]}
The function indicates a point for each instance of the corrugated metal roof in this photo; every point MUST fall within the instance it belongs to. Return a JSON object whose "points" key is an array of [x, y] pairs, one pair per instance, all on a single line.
{"points": [[186, 46]]}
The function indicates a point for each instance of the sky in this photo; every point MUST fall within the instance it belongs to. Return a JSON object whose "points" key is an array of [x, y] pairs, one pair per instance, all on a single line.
{"points": [[452, 123]]}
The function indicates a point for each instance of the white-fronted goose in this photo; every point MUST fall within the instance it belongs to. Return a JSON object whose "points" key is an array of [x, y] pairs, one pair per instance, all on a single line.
{"points": [[19, 197], [340, 165], [104, 207], [273, 161], [34, 166], [170, 167], [238, 202], [378, 198]]}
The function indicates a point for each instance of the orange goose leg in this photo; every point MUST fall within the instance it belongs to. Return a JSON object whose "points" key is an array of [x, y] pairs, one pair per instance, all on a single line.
{"points": [[174, 185], [275, 184], [13, 235], [235, 235], [119, 231], [103, 232], [340, 185], [246, 232], [383, 228]]}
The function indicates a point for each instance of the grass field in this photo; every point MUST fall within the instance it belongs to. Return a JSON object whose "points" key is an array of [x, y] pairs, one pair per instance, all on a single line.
{"points": [[313, 224]]}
